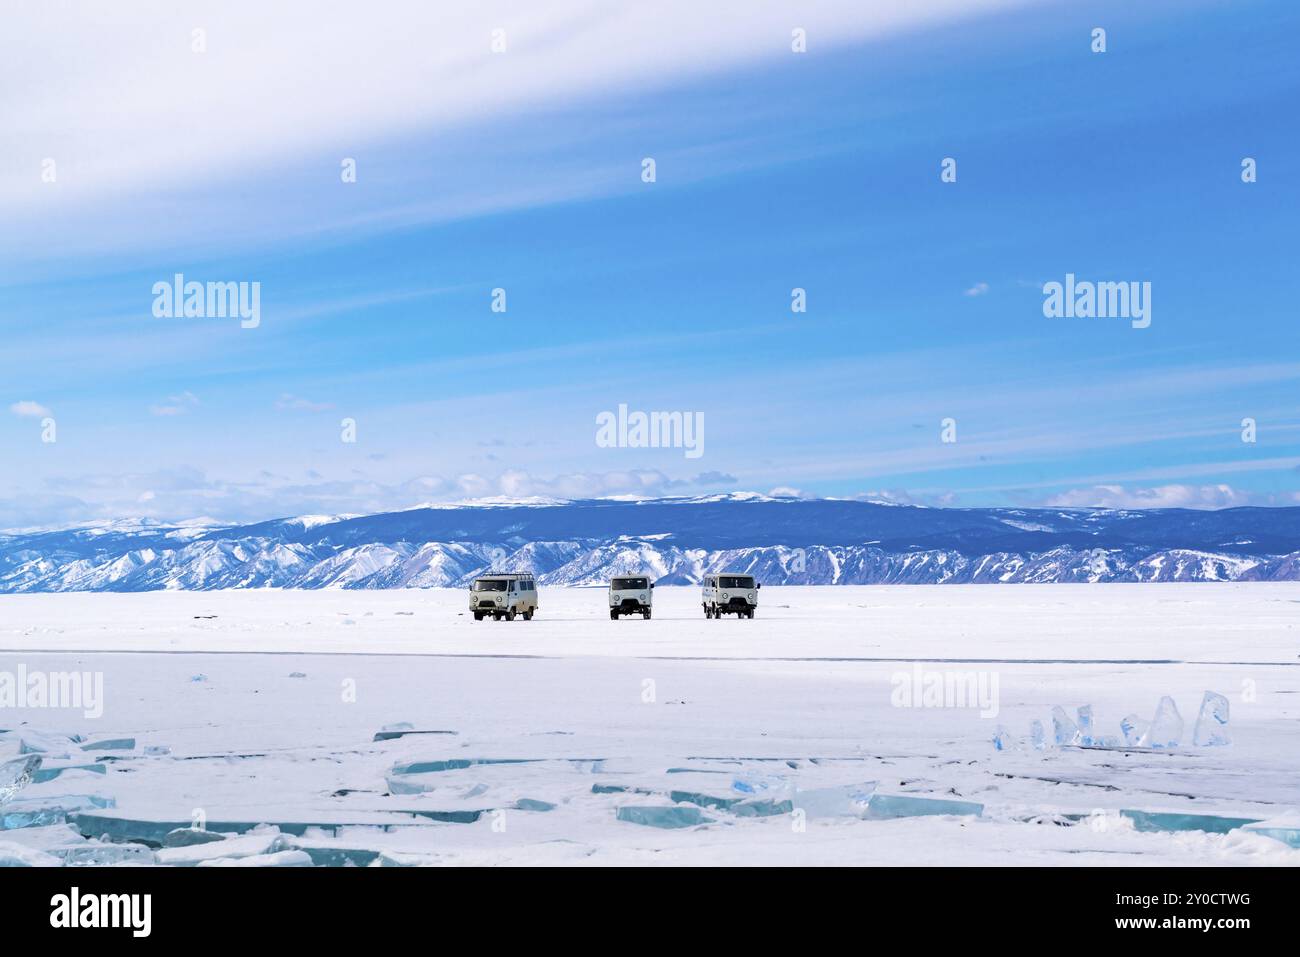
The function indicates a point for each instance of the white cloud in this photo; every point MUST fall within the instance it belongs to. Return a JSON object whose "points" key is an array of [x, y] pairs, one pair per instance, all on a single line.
{"points": [[517, 483], [905, 497], [320, 80], [182, 493], [30, 409], [979, 289], [1160, 496], [787, 491]]}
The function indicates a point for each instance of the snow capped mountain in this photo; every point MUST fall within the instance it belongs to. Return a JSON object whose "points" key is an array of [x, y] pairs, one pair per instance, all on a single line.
{"points": [[677, 541]]}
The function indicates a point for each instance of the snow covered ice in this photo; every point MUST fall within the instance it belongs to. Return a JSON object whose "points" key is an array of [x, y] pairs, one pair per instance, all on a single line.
{"points": [[416, 737]]}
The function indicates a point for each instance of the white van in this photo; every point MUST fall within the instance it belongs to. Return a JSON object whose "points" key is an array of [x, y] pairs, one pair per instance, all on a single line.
{"points": [[630, 596], [726, 594], [503, 596]]}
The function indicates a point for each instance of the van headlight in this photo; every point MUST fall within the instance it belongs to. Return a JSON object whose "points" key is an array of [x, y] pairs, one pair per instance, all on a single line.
{"points": [[643, 596], [751, 596], [473, 599], [724, 596]]}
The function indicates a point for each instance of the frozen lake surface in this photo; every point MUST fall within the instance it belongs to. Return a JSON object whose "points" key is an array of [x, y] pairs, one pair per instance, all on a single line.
{"points": [[680, 740]]}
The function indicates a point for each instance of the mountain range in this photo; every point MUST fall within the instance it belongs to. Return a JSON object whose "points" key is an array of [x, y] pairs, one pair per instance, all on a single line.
{"points": [[677, 540]]}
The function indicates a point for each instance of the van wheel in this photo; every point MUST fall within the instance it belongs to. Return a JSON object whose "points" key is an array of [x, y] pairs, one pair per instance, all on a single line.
{"points": [[751, 614], [510, 615], [707, 613], [496, 616], [646, 614], [528, 615], [613, 615], [717, 613]]}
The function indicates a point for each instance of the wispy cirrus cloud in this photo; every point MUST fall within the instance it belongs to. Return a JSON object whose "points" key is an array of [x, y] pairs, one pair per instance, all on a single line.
{"points": [[175, 405], [285, 73], [289, 402]]}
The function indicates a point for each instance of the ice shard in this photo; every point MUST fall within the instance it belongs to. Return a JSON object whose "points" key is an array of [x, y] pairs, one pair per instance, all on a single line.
{"points": [[1064, 731], [53, 809], [1212, 722], [532, 804], [1002, 740], [741, 807], [1085, 725], [762, 807], [666, 817], [1167, 821], [852, 800], [704, 800], [50, 743], [100, 853], [189, 836], [454, 764], [49, 772], [328, 856], [760, 784], [291, 858], [16, 774], [1134, 728], [256, 842], [1285, 829], [884, 806], [1166, 727], [12, 819], [17, 855], [1037, 737]]}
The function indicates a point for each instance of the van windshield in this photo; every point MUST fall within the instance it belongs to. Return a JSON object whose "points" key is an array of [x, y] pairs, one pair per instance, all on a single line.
{"points": [[735, 581], [627, 584], [490, 584]]}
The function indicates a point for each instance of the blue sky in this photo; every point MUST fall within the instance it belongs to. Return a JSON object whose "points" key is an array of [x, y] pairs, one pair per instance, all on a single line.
{"points": [[775, 170]]}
